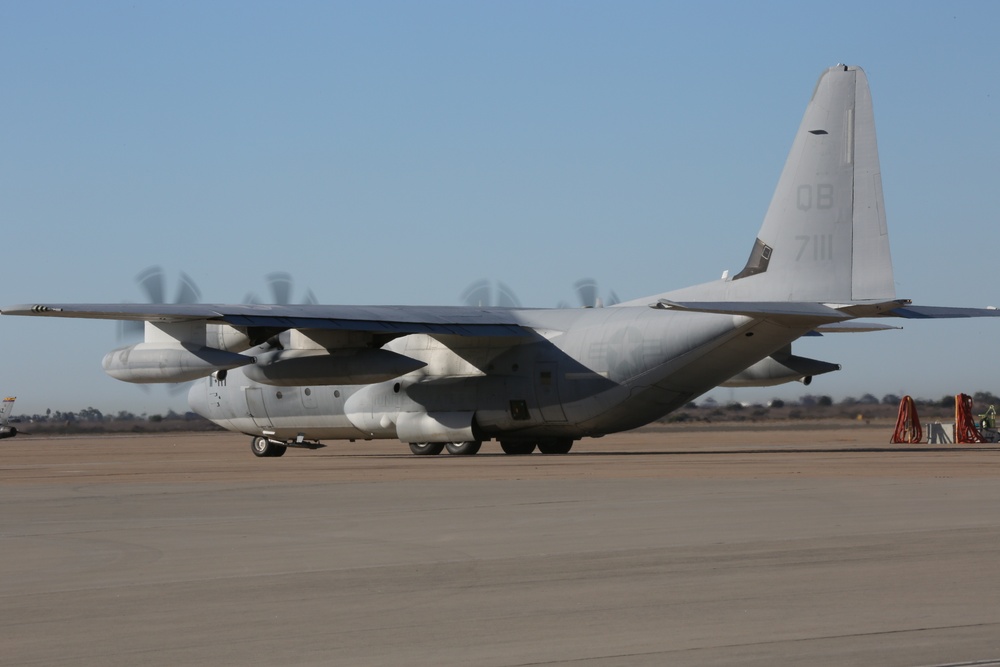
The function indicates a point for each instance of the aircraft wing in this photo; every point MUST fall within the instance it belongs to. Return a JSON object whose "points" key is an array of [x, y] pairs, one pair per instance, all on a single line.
{"points": [[398, 320]]}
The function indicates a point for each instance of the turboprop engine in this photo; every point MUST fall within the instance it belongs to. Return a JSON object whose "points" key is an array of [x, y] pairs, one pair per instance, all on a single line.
{"points": [[169, 362], [285, 368]]}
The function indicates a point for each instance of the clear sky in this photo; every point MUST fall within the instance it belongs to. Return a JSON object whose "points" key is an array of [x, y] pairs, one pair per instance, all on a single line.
{"points": [[394, 152]]}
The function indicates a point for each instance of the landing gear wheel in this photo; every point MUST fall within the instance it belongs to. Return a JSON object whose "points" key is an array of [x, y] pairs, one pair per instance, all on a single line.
{"points": [[464, 448], [557, 446], [517, 447], [261, 446], [426, 448]]}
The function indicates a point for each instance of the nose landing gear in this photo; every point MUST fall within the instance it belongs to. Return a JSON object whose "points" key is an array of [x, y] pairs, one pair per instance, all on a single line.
{"points": [[261, 446]]}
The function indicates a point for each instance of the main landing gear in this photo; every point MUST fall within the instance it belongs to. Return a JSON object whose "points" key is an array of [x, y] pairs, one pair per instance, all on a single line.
{"points": [[509, 447], [463, 448], [426, 448], [517, 447], [458, 448], [557, 446]]}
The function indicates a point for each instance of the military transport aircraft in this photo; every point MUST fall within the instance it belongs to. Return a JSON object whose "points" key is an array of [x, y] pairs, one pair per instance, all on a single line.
{"points": [[7, 407], [454, 377]]}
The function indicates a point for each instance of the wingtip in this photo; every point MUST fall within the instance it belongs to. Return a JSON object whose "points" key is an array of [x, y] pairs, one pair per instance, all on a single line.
{"points": [[29, 309]]}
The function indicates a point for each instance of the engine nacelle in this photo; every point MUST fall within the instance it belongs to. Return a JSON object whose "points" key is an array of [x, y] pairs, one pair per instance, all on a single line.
{"points": [[168, 362], [288, 368], [778, 369], [225, 337], [7, 432]]}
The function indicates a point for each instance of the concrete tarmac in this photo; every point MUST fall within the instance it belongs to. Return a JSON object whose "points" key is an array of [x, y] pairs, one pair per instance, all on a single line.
{"points": [[682, 547]]}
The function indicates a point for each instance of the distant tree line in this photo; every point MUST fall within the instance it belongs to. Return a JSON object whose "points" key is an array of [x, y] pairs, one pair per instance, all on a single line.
{"points": [[92, 415], [980, 398], [810, 406]]}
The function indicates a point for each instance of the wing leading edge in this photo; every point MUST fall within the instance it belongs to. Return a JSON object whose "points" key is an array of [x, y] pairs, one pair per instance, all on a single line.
{"points": [[462, 320], [400, 320]]}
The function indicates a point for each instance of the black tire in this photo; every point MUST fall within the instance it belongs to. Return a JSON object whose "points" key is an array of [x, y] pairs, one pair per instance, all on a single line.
{"points": [[464, 448], [278, 450], [261, 446], [557, 446], [426, 448], [517, 447]]}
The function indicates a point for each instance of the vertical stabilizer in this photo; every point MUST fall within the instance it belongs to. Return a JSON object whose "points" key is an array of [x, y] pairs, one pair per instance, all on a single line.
{"points": [[824, 236]]}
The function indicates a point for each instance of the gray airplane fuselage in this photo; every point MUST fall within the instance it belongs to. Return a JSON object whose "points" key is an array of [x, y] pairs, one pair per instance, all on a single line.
{"points": [[582, 373]]}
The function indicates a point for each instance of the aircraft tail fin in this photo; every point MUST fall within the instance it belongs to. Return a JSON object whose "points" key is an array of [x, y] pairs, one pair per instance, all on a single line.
{"points": [[6, 408], [824, 237]]}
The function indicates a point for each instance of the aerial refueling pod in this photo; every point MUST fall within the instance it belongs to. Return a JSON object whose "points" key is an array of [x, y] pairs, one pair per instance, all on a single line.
{"points": [[288, 368], [780, 367], [169, 362]]}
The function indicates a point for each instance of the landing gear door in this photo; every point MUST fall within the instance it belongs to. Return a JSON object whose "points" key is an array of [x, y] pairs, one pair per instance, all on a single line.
{"points": [[547, 391], [255, 405]]}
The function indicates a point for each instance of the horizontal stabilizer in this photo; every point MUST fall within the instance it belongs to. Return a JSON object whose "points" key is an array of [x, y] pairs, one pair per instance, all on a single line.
{"points": [[870, 308], [942, 312], [758, 309]]}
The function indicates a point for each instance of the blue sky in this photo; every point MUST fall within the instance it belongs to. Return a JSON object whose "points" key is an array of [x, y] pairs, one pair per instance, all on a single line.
{"points": [[394, 152]]}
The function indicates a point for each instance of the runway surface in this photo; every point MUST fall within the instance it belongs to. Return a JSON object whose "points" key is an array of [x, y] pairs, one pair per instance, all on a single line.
{"points": [[694, 547]]}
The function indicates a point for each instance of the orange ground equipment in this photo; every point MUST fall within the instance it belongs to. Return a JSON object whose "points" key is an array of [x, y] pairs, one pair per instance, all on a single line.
{"points": [[907, 424], [965, 424]]}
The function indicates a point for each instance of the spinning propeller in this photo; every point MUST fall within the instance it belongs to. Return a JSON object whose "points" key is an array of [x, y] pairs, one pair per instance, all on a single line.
{"points": [[483, 294], [153, 283], [588, 294], [280, 285]]}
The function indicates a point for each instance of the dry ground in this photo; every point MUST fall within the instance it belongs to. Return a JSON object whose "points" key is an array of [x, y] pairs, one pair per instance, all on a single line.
{"points": [[692, 545], [764, 451]]}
